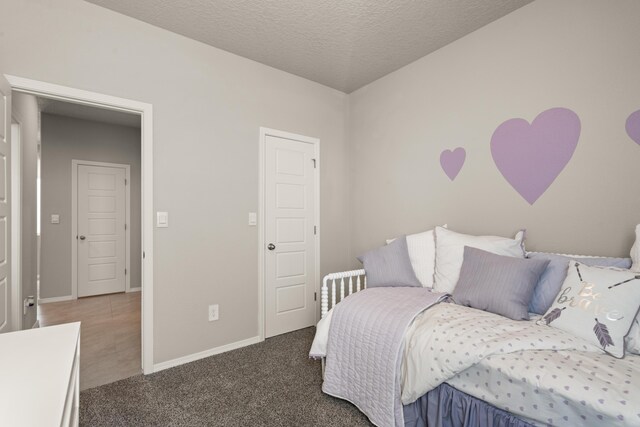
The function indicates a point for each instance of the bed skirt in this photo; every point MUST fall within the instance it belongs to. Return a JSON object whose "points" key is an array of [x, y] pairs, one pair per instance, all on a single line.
{"points": [[446, 406]]}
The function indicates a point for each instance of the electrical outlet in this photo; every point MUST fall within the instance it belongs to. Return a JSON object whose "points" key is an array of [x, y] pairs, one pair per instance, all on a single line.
{"points": [[214, 312]]}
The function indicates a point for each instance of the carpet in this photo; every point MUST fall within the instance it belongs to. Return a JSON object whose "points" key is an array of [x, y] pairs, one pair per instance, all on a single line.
{"points": [[268, 384]]}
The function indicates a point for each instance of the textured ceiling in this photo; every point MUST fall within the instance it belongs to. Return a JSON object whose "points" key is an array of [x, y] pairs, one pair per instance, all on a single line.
{"points": [[344, 44], [85, 112]]}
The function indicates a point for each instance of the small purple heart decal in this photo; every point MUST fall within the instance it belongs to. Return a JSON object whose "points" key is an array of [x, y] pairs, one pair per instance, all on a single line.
{"points": [[531, 156], [452, 161], [633, 126]]}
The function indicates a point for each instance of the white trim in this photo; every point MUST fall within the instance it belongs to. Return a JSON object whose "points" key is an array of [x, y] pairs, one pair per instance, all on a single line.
{"points": [[206, 353], [261, 240], [36, 324], [145, 110], [146, 257], [74, 220], [56, 299], [264, 132], [16, 224], [317, 235], [135, 289]]}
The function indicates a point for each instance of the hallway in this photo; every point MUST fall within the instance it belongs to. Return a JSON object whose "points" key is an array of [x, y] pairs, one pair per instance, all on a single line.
{"points": [[110, 346]]}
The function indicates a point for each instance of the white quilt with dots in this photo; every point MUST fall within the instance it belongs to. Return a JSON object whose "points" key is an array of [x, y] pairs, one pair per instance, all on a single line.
{"points": [[541, 374], [558, 388], [537, 372]]}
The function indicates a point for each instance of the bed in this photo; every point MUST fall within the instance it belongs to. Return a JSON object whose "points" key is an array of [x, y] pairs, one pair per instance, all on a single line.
{"points": [[459, 365]]}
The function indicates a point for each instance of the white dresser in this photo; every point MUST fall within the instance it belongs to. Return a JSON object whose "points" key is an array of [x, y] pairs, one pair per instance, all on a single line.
{"points": [[40, 376]]}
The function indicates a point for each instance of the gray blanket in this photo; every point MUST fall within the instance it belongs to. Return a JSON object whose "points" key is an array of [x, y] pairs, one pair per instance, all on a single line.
{"points": [[364, 349]]}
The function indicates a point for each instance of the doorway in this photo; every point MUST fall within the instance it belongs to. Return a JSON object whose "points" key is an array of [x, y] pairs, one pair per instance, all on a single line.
{"points": [[85, 261], [144, 112], [289, 246], [101, 228], [16, 225]]}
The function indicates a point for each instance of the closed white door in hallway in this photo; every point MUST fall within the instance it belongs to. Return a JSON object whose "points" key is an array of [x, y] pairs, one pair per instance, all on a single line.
{"points": [[101, 230]]}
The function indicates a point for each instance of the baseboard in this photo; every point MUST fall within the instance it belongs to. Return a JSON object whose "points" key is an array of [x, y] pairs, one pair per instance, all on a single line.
{"points": [[135, 289], [201, 355], [56, 299], [36, 325]]}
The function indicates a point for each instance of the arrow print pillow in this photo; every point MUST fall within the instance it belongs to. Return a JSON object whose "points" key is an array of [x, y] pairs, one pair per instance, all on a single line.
{"points": [[597, 304]]}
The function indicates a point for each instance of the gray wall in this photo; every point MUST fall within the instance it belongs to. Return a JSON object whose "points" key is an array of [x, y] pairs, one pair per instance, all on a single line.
{"points": [[381, 144], [25, 110], [208, 106], [63, 140], [571, 53]]}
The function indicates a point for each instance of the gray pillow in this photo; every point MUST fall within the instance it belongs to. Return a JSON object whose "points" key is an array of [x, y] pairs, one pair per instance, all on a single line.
{"points": [[498, 284], [553, 277], [389, 265]]}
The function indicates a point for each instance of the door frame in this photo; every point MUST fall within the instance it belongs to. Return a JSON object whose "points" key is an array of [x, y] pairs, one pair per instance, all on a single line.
{"points": [[74, 221], [264, 132], [16, 224], [145, 111]]}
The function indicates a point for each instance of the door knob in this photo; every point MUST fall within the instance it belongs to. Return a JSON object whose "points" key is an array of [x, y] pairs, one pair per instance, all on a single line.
{"points": [[82, 237], [271, 246]]}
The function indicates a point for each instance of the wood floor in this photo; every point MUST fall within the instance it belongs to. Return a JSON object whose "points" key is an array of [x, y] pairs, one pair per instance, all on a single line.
{"points": [[110, 343]]}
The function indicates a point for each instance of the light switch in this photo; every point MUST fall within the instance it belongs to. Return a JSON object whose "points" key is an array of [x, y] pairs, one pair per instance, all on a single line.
{"points": [[253, 218], [55, 219], [162, 219]]}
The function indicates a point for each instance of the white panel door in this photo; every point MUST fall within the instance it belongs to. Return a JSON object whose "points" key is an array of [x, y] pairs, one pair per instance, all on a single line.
{"points": [[290, 269], [101, 230], [5, 205]]}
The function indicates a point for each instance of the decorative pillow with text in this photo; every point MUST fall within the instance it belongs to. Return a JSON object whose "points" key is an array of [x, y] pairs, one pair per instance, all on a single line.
{"points": [[597, 304], [553, 277]]}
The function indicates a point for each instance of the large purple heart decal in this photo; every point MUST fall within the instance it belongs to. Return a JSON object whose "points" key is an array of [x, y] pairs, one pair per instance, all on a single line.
{"points": [[531, 156], [633, 126], [452, 161]]}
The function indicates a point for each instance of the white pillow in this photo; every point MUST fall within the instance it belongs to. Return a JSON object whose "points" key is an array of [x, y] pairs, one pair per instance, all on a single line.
{"points": [[597, 304], [450, 253], [635, 252], [422, 254], [632, 341]]}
